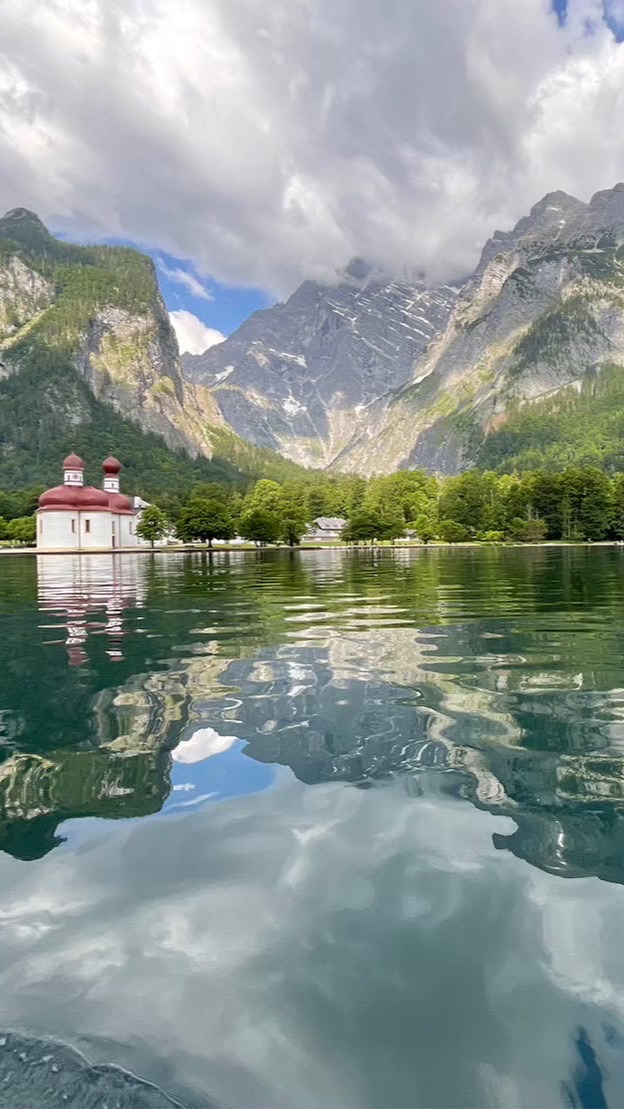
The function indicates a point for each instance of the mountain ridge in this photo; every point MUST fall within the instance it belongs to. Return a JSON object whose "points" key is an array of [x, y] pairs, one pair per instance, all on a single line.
{"points": [[543, 310], [288, 379], [294, 376], [541, 313], [88, 359], [370, 374]]}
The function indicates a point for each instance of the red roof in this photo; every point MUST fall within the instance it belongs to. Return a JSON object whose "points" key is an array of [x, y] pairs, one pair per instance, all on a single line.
{"points": [[62, 496], [73, 462], [77, 497], [117, 502], [90, 497]]}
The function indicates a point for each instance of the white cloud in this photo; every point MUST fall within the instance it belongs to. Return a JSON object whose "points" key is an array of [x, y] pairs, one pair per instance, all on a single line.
{"points": [[188, 280], [193, 336], [275, 929], [267, 142], [202, 744]]}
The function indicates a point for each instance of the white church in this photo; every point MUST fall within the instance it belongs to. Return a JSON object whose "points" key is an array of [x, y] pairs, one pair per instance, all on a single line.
{"points": [[79, 517]]}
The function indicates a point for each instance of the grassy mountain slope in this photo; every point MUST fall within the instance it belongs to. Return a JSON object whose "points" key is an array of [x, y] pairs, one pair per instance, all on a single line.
{"points": [[577, 426], [47, 411], [89, 361]]}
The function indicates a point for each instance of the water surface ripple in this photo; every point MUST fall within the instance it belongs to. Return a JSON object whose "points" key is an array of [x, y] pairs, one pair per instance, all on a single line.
{"points": [[313, 829]]}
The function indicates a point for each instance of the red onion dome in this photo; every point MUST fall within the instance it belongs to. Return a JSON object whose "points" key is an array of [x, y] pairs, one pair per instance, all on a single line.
{"points": [[111, 465], [90, 497], [62, 496], [73, 462], [117, 502]]}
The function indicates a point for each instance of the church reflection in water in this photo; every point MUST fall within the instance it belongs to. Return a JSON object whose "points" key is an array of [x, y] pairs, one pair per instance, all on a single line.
{"points": [[77, 588], [92, 769], [150, 695]]}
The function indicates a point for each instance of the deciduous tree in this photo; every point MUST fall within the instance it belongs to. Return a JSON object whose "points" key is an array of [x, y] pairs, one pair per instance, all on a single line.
{"points": [[22, 529], [204, 520], [450, 531], [363, 526], [260, 526], [153, 524]]}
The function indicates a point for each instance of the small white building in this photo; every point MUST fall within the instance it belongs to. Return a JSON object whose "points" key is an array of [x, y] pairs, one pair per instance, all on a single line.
{"points": [[325, 527], [75, 516]]}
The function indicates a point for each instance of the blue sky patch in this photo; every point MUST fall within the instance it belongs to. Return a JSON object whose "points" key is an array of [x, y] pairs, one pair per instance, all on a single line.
{"points": [[214, 304], [221, 307], [613, 15], [229, 774]]}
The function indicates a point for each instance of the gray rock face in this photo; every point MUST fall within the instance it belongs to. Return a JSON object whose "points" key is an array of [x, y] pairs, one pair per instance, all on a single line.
{"points": [[373, 374], [544, 309], [23, 294], [295, 377], [124, 347], [131, 362]]}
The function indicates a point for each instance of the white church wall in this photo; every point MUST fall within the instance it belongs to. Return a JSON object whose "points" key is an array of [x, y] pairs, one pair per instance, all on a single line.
{"points": [[85, 530], [126, 530], [55, 532], [95, 529]]}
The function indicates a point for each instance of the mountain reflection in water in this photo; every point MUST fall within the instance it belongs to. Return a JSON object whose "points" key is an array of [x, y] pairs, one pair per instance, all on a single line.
{"points": [[288, 829], [490, 675]]}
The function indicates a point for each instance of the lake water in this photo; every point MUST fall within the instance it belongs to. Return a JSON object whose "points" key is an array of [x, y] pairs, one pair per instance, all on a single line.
{"points": [[321, 829]]}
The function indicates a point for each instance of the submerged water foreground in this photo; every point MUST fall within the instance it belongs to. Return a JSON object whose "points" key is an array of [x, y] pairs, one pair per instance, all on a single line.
{"points": [[322, 829]]}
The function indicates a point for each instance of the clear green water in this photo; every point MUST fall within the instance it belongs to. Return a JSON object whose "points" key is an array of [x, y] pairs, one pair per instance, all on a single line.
{"points": [[322, 829]]}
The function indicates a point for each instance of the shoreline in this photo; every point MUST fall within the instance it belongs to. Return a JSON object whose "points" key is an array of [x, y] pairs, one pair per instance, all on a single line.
{"points": [[252, 549]]}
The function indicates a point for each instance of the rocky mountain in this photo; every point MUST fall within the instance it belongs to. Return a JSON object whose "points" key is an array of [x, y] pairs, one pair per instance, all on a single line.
{"points": [[530, 367], [297, 376], [519, 365], [88, 356]]}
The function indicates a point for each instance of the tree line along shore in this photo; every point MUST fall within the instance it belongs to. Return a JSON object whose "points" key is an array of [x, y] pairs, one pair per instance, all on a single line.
{"points": [[575, 504]]}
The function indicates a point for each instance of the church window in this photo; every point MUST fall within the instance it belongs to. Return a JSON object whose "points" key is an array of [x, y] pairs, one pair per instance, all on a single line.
{"points": [[87, 526], [73, 526]]}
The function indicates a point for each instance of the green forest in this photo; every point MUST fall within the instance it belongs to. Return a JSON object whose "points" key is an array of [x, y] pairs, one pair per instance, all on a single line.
{"points": [[575, 427], [578, 503]]}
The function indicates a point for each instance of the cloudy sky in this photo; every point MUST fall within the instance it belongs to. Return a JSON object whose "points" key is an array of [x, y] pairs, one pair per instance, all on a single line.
{"points": [[249, 144]]}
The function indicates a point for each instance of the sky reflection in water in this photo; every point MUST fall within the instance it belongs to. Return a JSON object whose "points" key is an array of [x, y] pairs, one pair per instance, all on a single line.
{"points": [[292, 830]]}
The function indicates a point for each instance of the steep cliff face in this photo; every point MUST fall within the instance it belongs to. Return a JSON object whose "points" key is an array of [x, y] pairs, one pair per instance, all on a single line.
{"points": [[87, 325], [130, 360], [371, 374], [24, 294], [296, 376], [537, 326], [367, 375]]}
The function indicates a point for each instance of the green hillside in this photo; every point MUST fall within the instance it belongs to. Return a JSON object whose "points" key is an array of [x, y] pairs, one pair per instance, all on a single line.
{"points": [[36, 434], [50, 294], [582, 426]]}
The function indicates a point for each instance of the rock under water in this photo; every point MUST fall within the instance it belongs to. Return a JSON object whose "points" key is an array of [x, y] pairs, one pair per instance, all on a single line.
{"points": [[43, 1074]]}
